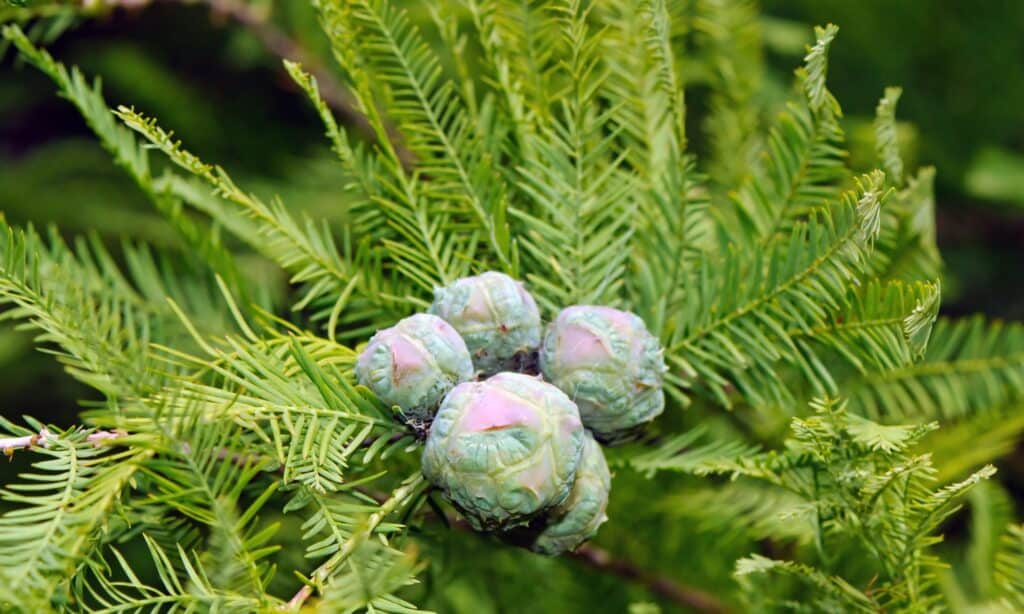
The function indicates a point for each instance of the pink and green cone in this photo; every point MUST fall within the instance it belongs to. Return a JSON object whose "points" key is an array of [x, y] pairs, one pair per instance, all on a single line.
{"points": [[413, 364], [504, 450], [609, 364], [578, 518], [496, 316]]}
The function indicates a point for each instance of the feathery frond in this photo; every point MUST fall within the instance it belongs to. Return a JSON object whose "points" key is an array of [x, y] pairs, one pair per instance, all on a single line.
{"points": [[435, 122], [869, 492], [521, 45], [100, 322], [906, 244], [745, 508], [307, 250], [202, 474], [64, 503], [193, 592], [683, 453], [646, 100], [887, 146], [298, 401], [577, 230], [831, 593], [387, 61], [740, 307], [803, 164], [371, 581], [970, 366], [880, 327]]}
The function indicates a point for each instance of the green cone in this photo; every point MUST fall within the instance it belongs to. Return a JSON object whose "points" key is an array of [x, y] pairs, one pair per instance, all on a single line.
{"points": [[413, 364], [609, 364], [504, 450], [496, 316], [577, 519]]}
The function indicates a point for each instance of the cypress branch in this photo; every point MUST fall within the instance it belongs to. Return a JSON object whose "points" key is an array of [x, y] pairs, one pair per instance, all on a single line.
{"points": [[559, 157]]}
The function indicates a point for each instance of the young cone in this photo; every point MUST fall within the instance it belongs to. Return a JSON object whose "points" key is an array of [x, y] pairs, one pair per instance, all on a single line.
{"points": [[496, 316], [577, 518], [609, 364], [504, 450], [413, 364]]}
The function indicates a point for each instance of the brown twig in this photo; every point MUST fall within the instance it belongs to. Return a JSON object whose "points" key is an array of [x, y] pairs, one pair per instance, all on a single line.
{"points": [[42, 439], [601, 560], [688, 596]]}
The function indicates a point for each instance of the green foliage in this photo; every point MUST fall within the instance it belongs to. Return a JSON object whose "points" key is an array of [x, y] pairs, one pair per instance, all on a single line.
{"points": [[887, 145], [63, 504], [865, 490], [97, 321], [547, 140], [970, 366], [729, 40]]}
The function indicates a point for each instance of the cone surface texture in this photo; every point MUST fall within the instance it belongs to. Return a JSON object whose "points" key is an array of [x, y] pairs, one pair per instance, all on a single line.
{"points": [[504, 450], [495, 315], [609, 364], [577, 519], [414, 364]]}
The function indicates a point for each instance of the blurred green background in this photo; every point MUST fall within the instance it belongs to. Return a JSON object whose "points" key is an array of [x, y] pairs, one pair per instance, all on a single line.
{"points": [[211, 71]]}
